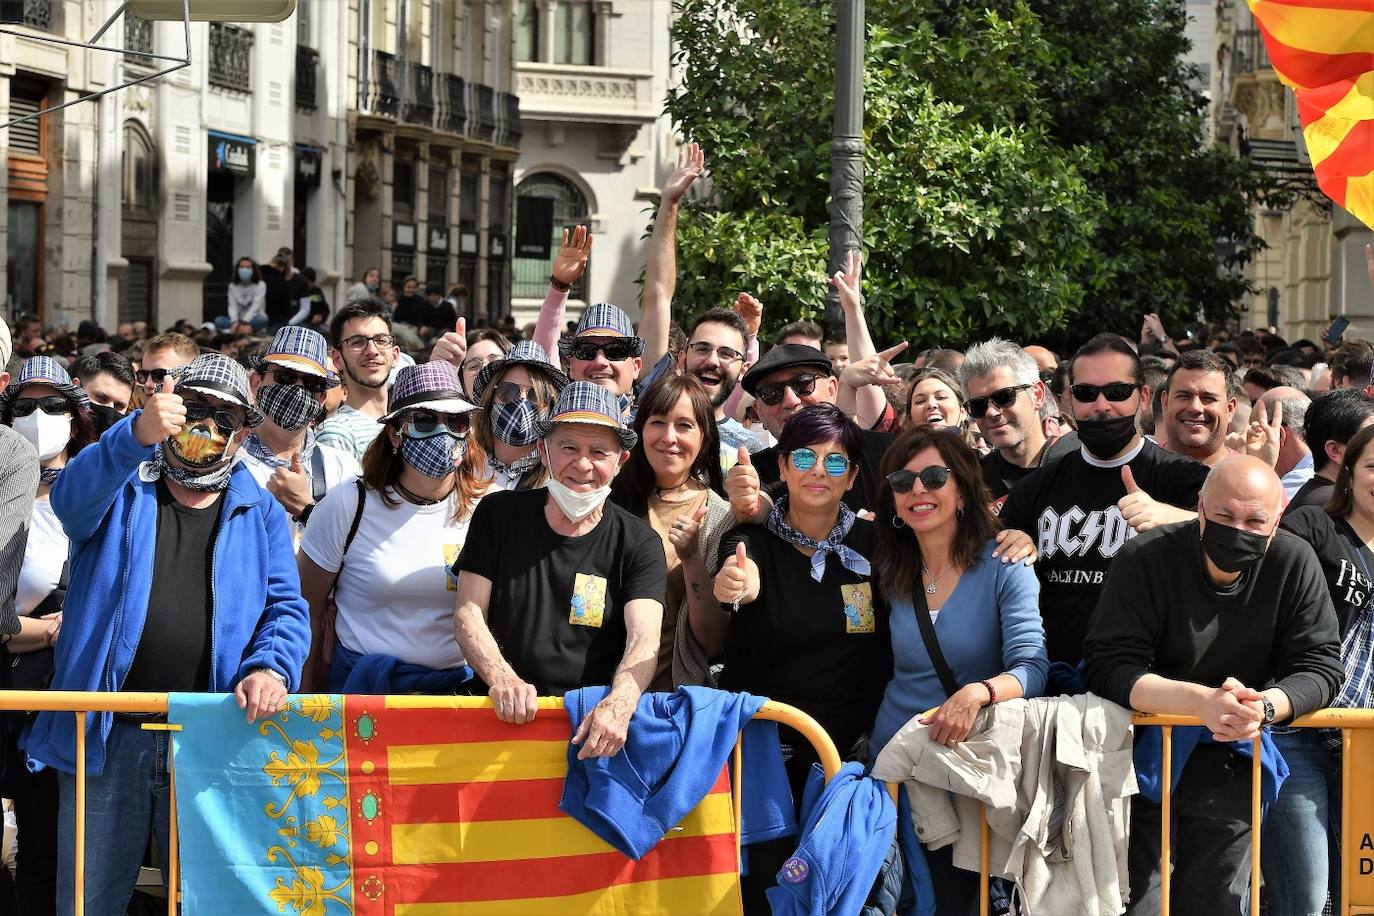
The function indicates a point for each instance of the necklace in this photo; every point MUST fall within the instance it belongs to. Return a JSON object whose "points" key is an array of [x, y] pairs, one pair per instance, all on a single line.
{"points": [[419, 500], [930, 589]]}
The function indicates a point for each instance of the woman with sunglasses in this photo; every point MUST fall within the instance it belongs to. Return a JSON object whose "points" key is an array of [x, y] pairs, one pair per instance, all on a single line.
{"points": [[672, 480], [808, 625], [934, 401], [948, 592], [53, 413], [247, 297], [381, 548], [514, 394]]}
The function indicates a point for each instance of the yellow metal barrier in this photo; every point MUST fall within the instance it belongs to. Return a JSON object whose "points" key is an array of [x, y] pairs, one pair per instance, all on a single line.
{"points": [[82, 704]]}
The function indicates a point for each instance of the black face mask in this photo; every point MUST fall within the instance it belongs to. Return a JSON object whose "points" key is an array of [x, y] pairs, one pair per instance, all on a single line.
{"points": [[1231, 549], [104, 418], [1105, 439]]}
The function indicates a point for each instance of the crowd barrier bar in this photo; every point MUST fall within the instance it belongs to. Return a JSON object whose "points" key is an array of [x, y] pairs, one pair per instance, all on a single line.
{"points": [[82, 704]]}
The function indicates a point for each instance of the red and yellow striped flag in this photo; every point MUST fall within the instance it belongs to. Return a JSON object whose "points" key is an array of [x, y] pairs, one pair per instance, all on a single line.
{"points": [[1324, 49]]}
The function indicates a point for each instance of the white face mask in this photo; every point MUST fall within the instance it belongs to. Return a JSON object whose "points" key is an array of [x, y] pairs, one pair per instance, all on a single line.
{"points": [[48, 434], [576, 506]]}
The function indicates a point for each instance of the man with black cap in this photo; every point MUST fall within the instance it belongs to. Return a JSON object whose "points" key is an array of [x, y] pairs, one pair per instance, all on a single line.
{"points": [[183, 579], [560, 588]]}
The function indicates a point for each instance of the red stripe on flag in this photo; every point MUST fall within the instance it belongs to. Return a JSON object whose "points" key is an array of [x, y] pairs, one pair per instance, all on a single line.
{"points": [[1311, 68], [458, 726], [477, 801], [1352, 157]]}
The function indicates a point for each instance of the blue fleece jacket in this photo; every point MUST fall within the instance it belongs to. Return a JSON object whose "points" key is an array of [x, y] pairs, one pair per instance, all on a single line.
{"points": [[673, 754], [258, 617], [379, 674], [1149, 759], [847, 829]]}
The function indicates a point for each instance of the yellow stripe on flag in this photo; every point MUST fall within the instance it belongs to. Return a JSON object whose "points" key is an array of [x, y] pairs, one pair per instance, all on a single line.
{"points": [[1359, 197], [500, 841], [477, 761], [1325, 134], [1315, 29], [706, 895]]}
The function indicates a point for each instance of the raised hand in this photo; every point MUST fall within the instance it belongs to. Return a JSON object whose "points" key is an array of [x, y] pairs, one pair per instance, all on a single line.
{"points": [[751, 310], [452, 346], [291, 487], [571, 260], [847, 281], [1265, 431], [685, 535], [742, 487], [691, 162], [733, 579], [163, 415], [873, 370]]}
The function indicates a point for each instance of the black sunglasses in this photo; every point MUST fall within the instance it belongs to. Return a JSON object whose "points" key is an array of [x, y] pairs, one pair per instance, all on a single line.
{"points": [[615, 350], [1116, 392], [932, 478], [227, 421], [426, 422], [157, 375], [53, 405], [773, 393], [311, 383], [1002, 398]]}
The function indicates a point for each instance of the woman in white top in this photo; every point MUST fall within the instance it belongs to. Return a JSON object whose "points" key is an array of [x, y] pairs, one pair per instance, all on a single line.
{"points": [[383, 548], [515, 393], [247, 300]]}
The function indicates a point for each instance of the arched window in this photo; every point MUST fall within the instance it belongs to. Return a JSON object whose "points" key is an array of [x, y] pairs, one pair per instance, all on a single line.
{"points": [[138, 168], [551, 203]]}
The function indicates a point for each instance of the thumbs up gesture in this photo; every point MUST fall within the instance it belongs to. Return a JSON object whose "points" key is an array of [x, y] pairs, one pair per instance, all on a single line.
{"points": [[732, 582], [291, 486], [742, 486], [1141, 511], [685, 534], [452, 346], [163, 415]]}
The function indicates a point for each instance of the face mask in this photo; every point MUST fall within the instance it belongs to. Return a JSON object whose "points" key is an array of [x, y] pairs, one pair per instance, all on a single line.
{"points": [[434, 456], [514, 423], [1105, 439], [291, 407], [373, 287], [201, 445], [576, 506], [104, 417], [1232, 549], [47, 433], [245, 274]]}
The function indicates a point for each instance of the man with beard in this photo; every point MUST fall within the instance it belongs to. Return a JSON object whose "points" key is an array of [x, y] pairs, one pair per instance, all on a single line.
{"points": [[283, 453], [715, 354], [1083, 507], [1197, 407], [364, 352]]}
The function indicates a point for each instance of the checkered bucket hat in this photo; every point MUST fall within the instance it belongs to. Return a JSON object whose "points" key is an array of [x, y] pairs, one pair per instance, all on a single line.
{"points": [[302, 349], [602, 320], [44, 370], [218, 376], [525, 353], [584, 402], [433, 386]]}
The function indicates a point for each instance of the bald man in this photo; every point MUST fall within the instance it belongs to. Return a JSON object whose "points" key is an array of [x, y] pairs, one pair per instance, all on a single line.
{"points": [[1221, 619], [1044, 358], [1293, 459]]}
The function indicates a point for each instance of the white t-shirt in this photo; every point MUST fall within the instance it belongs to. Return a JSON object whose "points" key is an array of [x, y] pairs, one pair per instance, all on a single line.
{"points": [[339, 468], [43, 558], [394, 593]]}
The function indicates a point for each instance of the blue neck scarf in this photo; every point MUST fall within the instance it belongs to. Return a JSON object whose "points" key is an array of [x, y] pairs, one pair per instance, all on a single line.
{"points": [[849, 558]]}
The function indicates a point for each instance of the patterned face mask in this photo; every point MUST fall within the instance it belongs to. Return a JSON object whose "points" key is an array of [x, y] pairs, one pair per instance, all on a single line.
{"points": [[434, 456], [289, 406], [514, 422], [199, 445]]}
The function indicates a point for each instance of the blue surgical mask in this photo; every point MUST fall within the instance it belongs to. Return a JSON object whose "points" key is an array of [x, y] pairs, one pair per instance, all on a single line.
{"points": [[373, 287], [245, 274]]}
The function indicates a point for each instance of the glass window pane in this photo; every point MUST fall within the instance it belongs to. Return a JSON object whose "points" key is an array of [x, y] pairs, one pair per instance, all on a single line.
{"points": [[573, 23], [527, 31]]}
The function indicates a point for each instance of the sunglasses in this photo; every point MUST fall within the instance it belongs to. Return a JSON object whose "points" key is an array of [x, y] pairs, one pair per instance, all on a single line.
{"points": [[156, 375], [932, 478], [54, 405], [1115, 392], [421, 424], [773, 393], [615, 350], [835, 464], [1002, 398], [227, 421], [311, 383], [358, 342], [510, 392]]}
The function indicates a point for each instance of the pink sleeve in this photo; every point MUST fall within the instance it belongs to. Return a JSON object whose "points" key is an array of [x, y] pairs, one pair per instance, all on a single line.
{"points": [[549, 327]]}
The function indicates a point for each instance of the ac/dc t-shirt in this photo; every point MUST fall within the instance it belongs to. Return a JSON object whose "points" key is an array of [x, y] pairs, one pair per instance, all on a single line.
{"points": [[864, 493], [1346, 562], [1069, 508], [557, 608]]}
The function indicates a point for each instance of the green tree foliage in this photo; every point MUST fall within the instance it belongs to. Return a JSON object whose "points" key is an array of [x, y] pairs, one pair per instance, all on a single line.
{"points": [[1034, 168]]}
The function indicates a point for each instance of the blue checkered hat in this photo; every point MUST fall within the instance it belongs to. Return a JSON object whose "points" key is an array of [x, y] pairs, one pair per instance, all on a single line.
{"points": [[218, 376], [302, 349], [601, 321], [525, 353], [585, 402], [44, 370], [433, 386]]}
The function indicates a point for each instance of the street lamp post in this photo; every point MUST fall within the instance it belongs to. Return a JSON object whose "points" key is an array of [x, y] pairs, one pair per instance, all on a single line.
{"points": [[846, 146]]}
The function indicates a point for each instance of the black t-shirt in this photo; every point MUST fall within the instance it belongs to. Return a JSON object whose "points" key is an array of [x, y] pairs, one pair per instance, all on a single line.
{"points": [[410, 310], [174, 650], [1345, 561], [864, 493], [1313, 493], [823, 647], [1001, 475], [278, 305], [439, 316], [319, 305], [1069, 508], [557, 606]]}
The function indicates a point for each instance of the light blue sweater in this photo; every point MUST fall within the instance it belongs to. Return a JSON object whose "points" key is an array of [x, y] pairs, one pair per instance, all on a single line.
{"points": [[989, 625]]}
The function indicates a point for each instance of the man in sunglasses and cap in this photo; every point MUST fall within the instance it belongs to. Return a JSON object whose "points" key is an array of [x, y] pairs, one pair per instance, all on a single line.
{"points": [[182, 579]]}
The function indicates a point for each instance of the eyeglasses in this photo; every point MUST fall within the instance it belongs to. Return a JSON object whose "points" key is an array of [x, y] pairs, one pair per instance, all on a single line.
{"points": [[421, 424], [702, 349], [932, 478], [226, 420], [510, 392], [358, 342], [835, 464], [157, 375], [801, 385], [1115, 392], [1002, 398], [1254, 362], [311, 383], [475, 363], [54, 405], [615, 350]]}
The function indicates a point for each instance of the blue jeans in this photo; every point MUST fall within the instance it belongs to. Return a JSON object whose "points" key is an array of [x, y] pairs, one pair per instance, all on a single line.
{"points": [[126, 802], [1299, 853]]}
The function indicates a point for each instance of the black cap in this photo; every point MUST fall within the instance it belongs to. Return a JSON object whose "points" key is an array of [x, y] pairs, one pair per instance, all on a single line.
{"points": [[785, 356]]}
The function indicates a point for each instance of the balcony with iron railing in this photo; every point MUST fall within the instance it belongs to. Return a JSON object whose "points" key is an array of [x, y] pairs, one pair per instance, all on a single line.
{"points": [[481, 112], [307, 69], [450, 103], [36, 14], [138, 41], [419, 97], [510, 128], [415, 94], [231, 56], [380, 85], [1249, 55]]}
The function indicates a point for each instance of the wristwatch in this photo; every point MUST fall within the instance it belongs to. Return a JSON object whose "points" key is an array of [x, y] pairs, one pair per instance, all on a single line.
{"points": [[1268, 708], [304, 517], [277, 675]]}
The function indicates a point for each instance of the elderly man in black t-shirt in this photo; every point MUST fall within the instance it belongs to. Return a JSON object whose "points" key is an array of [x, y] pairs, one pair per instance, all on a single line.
{"points": [[559, 588]]}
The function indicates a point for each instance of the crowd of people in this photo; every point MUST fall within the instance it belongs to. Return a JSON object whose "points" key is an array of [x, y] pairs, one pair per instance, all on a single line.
{"points": [[313, 500]]}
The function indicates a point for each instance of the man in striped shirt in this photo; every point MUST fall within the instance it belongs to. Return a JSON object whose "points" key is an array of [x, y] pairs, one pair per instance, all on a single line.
{"points": [[364, 353]]}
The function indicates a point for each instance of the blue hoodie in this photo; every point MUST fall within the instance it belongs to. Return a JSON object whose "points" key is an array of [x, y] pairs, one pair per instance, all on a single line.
{"points": [[1149, 759], [672, 757], [847, 829], [109, 511]]}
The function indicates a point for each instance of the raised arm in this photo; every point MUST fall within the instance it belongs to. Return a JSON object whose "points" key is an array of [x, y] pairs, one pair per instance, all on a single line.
{"points": [[751, 310], [660, 265], [869, 400], [568, 266]]}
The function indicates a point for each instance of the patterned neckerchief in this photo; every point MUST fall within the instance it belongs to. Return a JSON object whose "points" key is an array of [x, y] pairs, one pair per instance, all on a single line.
{"points": [[849, 558], [259, 450]]}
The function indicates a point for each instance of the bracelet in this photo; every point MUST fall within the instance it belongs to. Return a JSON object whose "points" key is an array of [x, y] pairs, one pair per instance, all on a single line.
{"points": [[559, 284], [274, 674], [992, 694]]}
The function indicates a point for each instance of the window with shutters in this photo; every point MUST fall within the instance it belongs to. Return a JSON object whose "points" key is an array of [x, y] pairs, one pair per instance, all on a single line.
{"points": [[136, 291], [28, 136]]}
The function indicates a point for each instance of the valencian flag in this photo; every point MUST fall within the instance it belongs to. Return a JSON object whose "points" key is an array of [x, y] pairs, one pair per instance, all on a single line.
{"points": [[1324, 49], [414, 806]]}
